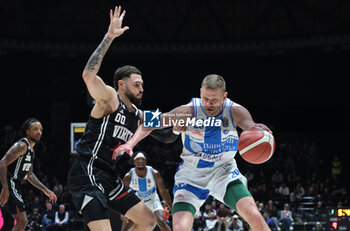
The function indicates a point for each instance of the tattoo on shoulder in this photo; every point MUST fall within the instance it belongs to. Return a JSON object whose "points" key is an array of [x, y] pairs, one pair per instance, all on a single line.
{"points": [[96, 58], [18, 149]]}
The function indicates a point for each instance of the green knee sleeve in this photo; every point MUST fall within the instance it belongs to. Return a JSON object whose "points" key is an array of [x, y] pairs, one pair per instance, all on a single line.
{"points": [[235, 191], [183, 206]]}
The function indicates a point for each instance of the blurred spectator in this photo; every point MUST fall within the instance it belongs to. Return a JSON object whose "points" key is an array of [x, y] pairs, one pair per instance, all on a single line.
{"points": [[207, 211], [223, 216], [236, 224], [61, 219], [34, 220], [261, 208], [336, 166], [344, 196], [249, 175], [48, 218], [286, 217], [37, 204], [320, 211], [301, 190], [199, 221], [211, 222], [272, 212], [58, 187], [213, 205], [284, 190], [166, 213], [277, 177], [272, 225]]}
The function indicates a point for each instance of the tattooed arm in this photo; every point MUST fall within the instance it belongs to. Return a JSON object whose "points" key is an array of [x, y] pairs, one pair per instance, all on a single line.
{"points": [[17, 150], [98, 90], [39, 185]]}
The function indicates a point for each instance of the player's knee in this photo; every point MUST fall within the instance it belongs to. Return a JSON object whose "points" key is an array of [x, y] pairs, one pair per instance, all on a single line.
{"points": [[179, 226], [148, 222]]}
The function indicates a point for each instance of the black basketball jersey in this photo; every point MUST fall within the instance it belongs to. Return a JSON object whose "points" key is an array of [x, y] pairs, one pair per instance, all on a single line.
{"points": [[102, 136], [18, 169]]}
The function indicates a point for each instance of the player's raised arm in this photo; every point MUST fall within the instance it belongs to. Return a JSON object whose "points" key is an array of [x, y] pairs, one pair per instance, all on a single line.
{"points": [[169, 119], [97, 88]]}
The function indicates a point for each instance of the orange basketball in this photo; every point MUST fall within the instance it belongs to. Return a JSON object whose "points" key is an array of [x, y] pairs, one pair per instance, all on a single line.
{"points": [[256, 145]]}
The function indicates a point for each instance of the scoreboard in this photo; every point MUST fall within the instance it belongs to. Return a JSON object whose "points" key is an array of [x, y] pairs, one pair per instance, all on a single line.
{"points": [[338, 219], [76, 132]]}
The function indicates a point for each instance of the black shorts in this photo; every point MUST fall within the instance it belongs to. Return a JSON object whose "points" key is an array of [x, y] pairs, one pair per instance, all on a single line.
{"points": [[86, 182], [15, 197]]}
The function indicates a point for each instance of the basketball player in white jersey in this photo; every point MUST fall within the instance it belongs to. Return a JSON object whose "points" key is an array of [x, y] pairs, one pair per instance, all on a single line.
{"points": [[208, 166], [145, 180], [16, 167]]}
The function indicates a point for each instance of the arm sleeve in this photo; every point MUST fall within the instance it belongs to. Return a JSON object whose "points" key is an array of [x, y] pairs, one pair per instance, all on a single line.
{"points": [[165, 135]]}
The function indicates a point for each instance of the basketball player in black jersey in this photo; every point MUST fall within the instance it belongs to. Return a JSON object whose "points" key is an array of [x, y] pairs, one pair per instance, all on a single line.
{"points": [[16, 167], [92, 180]]}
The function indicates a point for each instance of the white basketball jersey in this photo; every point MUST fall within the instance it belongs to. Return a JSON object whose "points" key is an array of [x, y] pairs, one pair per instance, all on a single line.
{"points": [[210, 146], [145, 187]]}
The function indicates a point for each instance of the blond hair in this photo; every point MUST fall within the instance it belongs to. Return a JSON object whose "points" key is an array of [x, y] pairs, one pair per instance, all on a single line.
{"points": [[214, 81]]}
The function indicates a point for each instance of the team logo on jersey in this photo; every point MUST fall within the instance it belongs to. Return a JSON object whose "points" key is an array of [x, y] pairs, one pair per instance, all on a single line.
{"points": [[151, 118], [225, 122]]}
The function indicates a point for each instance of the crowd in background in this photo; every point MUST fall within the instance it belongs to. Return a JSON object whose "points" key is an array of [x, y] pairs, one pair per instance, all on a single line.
{"points": [[295, 185]]}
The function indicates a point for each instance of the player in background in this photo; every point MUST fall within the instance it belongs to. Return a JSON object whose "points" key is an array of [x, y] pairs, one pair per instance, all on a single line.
{"points": [[208, 165], [16, 167], [145, 180]]}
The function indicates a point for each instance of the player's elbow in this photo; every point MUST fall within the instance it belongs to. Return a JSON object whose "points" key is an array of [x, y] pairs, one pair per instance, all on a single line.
{"points": [[87, 75]]}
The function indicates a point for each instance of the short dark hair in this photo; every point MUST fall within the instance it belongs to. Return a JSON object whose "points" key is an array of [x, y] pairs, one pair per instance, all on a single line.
{"points": [[26, 124], [124, 72]]}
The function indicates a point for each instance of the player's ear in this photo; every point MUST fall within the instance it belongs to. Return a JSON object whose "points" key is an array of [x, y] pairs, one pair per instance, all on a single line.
{"points": [[120, 84], [225, 95]]}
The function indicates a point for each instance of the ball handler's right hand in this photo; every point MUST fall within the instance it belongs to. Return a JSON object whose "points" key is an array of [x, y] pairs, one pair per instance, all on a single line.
{"points": [[115, 28], [121, 149]]}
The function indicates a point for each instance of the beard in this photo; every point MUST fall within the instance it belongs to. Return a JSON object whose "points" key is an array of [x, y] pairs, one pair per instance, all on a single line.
{"points": [[133, 99], [140, 168]]}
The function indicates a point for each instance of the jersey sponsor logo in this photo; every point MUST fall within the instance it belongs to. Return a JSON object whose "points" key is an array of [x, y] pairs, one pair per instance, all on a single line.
{"points": [[211, 157], [197, 132], [179, 195], [122, 133], [151, 118], [146, 193]]}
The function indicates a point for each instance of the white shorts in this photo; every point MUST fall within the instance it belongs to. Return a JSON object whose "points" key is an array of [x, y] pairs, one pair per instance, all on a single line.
{"points": [[153, 204], [193, 185]]}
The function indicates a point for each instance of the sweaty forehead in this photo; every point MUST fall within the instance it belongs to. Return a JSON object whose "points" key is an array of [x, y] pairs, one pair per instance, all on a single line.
{"points": [[35, 124], [212, 93], [135, 78]]}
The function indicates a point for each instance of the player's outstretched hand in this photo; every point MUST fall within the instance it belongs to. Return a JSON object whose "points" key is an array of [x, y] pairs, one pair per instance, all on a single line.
{"points": [[4, 196], [51, 195], [115, 28], [121, 149], [264, 127]]}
